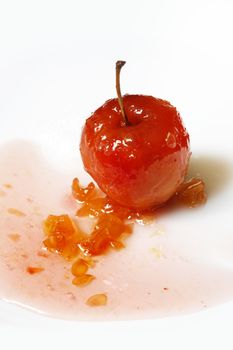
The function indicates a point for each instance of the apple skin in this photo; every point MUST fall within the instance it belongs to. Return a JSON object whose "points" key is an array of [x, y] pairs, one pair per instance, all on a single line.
{"points": [[140, 165]]}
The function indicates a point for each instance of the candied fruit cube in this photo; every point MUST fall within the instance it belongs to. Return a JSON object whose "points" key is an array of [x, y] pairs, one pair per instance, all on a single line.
{"points": [[82, 193], [62, 235], [93, 207], [112, 223], [117, 245], [97, 243], [61, 224]]}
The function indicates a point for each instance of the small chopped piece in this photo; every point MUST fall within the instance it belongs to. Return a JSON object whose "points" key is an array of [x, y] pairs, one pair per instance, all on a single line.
{"points": [[117, 245], [16, 212], [99, 205], [33, 270], [97, 300], [82, 193], [93, 207], [79, 268], [82, 281], [2, 193], [109, 228], [63, 235]]}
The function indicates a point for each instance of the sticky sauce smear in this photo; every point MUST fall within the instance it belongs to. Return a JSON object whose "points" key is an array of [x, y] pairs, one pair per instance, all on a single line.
{"points": [[148, 278]]}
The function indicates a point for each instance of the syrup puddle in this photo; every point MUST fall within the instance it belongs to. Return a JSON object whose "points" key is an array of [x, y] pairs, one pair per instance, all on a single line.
{"points": [[179, 264]]}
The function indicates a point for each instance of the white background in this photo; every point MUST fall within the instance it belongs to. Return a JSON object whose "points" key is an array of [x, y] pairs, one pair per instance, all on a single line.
{"points": [[178, 50]]}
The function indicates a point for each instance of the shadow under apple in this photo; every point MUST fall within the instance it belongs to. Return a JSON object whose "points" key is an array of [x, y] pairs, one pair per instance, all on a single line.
{"points": [[216, 172]]}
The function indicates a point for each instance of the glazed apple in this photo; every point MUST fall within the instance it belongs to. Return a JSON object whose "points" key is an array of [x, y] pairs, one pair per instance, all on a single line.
{"points": [[136, 148]]}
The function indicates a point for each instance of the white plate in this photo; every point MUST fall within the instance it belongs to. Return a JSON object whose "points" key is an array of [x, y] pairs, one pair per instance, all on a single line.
{"points": [[56, 67]]}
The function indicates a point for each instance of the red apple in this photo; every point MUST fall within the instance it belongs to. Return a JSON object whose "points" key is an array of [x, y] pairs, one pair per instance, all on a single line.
{"points": [[136, 148]]}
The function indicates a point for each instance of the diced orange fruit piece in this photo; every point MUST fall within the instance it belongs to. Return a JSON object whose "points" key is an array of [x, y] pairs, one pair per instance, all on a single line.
{"points": [[63, 235], [97, 206], [93, 207], [96, 244], [82, 193], [109, 228], [117, 245], [112, 223], [59, 224]]}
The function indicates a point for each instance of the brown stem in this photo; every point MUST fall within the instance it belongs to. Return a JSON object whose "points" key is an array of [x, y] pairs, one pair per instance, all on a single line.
{"points": [[119, 65]]}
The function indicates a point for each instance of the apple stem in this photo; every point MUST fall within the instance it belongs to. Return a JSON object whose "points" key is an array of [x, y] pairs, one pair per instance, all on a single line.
{"points": [[119, 65]]}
